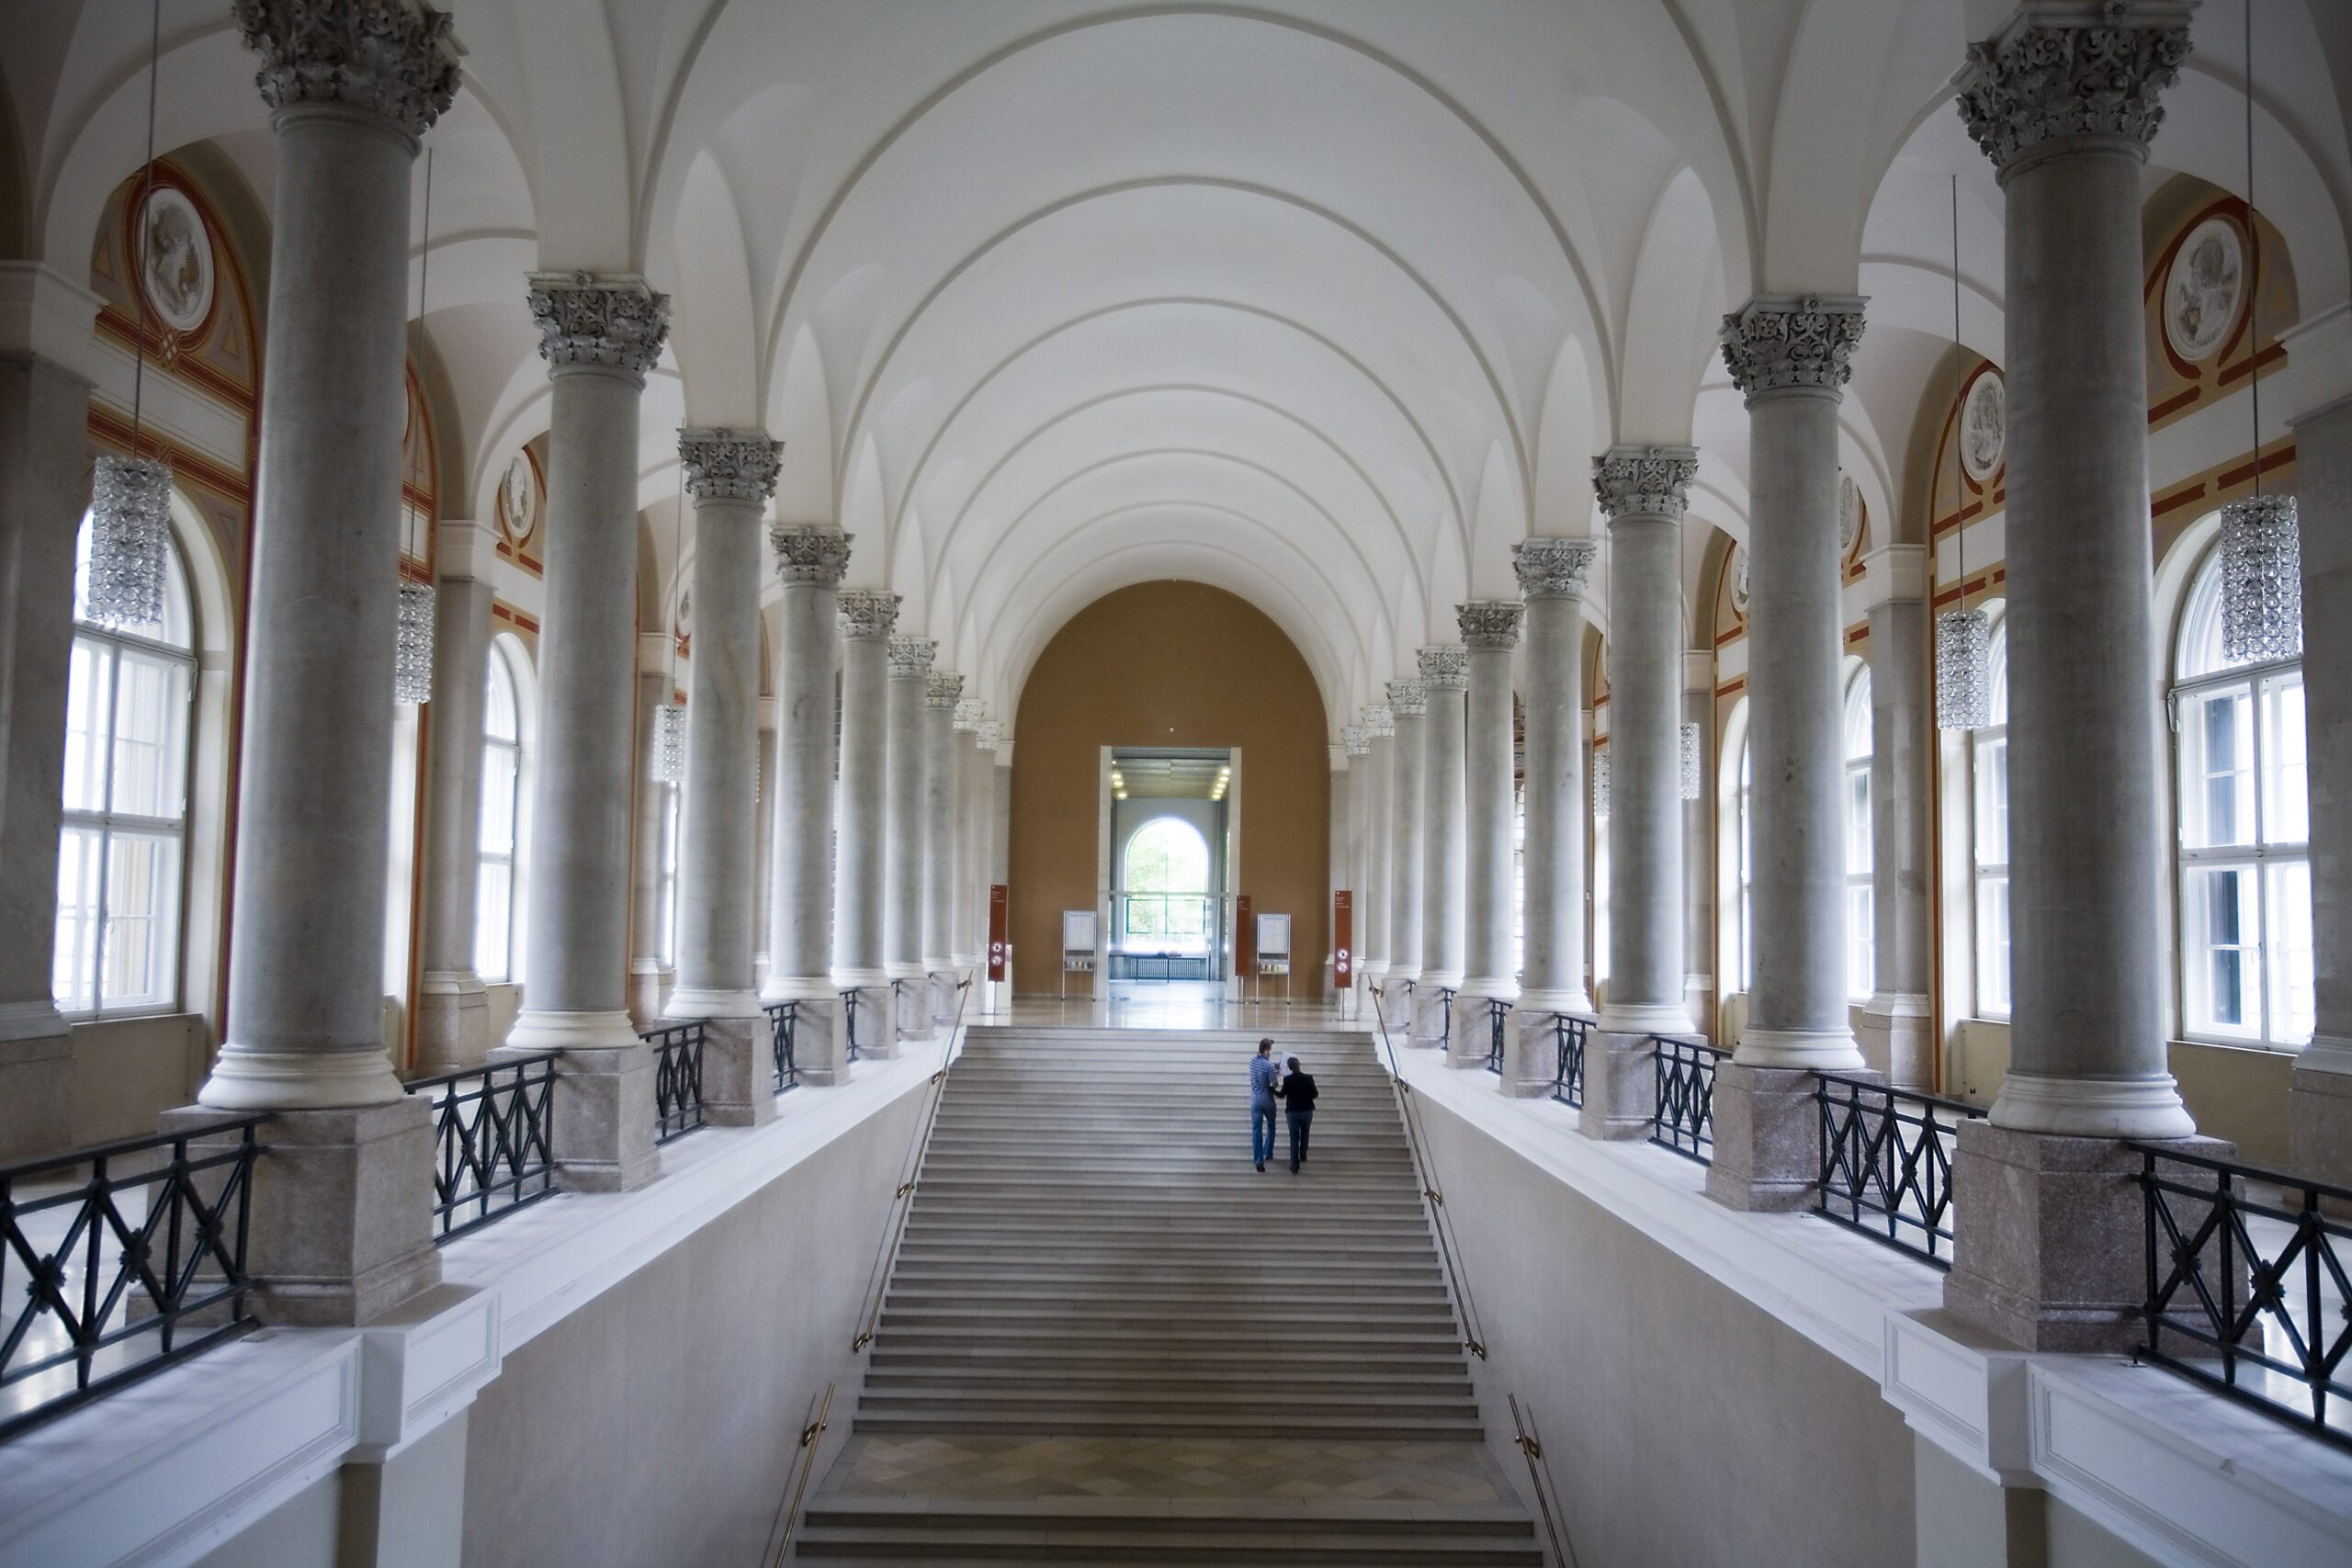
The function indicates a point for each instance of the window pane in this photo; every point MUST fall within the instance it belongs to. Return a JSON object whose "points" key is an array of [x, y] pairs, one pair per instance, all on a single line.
{"points": [[2217, 769], [1993, 946], [1993, 800], [2285, 801], [2286, 951], [2218, 941], [493, 888], [498, 800], [150, 735], [1861, 951], [89, 698], [73, 960], [142, 912], [499, 719], [1857, 820], [1859, 722]]}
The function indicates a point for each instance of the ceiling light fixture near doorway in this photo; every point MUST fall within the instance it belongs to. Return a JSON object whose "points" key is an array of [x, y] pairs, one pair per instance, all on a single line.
{"points": [[1964, 641], [412, 623]]}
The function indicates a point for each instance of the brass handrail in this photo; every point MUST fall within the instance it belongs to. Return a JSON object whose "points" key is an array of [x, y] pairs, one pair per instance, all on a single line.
{"points": [[1539, 1480], [1474, 1335], [808, 1436], [901, 1203]]}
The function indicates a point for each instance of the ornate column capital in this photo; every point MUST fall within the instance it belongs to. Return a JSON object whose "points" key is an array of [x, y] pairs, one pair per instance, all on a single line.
{"points": [[730, 465], [1379, 723], [867, 612], [1356, 739], [393, 58], [989, 733], [1773, 344], [946, 688], [1407, 699], [1553, 569], [910, 658], [585, 319], [1445, 667], [807, 553], [1489, 623], [2059, 72], [968, 713], [1648, 481]]}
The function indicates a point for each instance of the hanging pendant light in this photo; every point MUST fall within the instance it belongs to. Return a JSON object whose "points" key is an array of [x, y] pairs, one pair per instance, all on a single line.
{"points": [[412, 624], [1963, 637], [130, 498], [2261, 548], [1600, 784], [1690, 783], [669, 742]]}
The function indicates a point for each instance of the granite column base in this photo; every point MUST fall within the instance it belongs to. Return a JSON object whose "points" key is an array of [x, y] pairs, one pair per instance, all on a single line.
{"points": [[945, 986], [910, 1010], [869, 1023], [603, 1115], [1473, 1040], [1433, 1021], [1900, 1047], [452, 1022], [1620, 1086], [1531, 1055], [37, 1093], [737, 1072], [819, 1042], [1767, 1137], [2319, 1126]]}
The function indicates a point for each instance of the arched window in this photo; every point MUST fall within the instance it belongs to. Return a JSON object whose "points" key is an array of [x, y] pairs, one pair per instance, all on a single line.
{"points": [[2243, 809], [1167, 880], [501, 774], [1989, 763], [123, 838], [1861, 960]]}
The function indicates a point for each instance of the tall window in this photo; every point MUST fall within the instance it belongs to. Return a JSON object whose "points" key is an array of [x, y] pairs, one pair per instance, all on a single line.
{"points": [[671, 814], [124, 834], [2246, 882], [1861, 961], [1746, 804], [1600, 758], [501, 769], [1989, 761]]}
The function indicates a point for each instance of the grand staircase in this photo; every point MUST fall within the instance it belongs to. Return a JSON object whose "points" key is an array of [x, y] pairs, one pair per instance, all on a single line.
{"points": [[1109, 1340]]}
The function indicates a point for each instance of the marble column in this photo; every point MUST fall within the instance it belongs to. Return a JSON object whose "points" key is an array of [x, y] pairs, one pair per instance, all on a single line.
{"points": [[1552, 574], [861, 796], [1490, 981], [342, 1218], [1407, 702], [939, 776], [909, 688], [730, 474], [809, 562], [2320, 1103], [1642, 492], [1698, 717], [651, 974], [969, 931], [992, 805], [2047, 1245], [599, 335], [1444, 843], [1355, 874], [1897, 1035], [1379, 845], [764, 846], [44, 438], [452, 1005]]}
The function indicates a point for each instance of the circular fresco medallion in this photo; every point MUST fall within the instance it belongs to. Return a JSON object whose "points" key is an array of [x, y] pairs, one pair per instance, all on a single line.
{"points": [[2205, 288], [1984, 426], [518, 498], [176, 270], [1849, 512], [1740, 578]]}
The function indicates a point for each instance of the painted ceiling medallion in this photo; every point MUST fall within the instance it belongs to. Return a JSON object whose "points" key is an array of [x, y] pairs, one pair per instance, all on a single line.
{"points": [[176, 264], [1740, 578], [1984, 426], [2205, 290], [1849, 512], [518, 498]]}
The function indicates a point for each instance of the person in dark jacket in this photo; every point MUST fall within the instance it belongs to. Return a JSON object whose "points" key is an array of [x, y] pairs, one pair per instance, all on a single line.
{"points": [[1297, 1091]]}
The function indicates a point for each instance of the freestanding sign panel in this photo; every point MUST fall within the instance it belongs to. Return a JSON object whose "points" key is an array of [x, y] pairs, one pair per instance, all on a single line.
{"points": [[1343, 935], [1244, 954], [998, 930]]}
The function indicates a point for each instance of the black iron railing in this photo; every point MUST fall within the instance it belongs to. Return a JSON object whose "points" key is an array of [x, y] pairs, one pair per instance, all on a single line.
{"points": [[1568, 1036], [1445, 1015], [677, 1080], [1886, 1163], [494, 1140], [2250, 1296], [1498, 1020], [1685, 1097], [849, 1021], [117, 1260], [783, 1022]]}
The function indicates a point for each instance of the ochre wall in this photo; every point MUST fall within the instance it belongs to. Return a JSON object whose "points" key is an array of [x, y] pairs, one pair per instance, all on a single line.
{"points": [[1168, 664]]}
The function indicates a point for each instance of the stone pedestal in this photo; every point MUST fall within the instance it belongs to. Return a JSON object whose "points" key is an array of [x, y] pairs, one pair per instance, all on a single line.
{"points": [[1530, 1054], [1393, 1008], [1620, 1086], [870, 1025], [1433, 1024], [1768, 1138], [737, 1072], [452, 1021], [2049, 1236], [37, 1081], [342, 1216], [603, 1104], [946, 993], [1897, 1042], [911, 1010], [819, 1042]]}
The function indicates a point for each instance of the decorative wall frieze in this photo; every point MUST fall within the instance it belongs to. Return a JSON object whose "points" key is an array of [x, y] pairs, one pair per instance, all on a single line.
{"points": [[1380, 723], [1646, 481], [394, 58], [1772, 344], [1407, 699], [805, 553], [1356, 739], [1445, 667], [946, 688], [1553, 569], [910, 658], [585, 319], [1489, 623], [730, 465], [867, 612], [2059, 72], [967, 715]]}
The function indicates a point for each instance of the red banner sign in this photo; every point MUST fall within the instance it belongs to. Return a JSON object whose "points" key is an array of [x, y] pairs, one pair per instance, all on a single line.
{"points": [[998, 934], [1343, 936]]}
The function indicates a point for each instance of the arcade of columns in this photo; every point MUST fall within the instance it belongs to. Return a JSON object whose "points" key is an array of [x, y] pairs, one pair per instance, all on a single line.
{"points": [[874, 876]]}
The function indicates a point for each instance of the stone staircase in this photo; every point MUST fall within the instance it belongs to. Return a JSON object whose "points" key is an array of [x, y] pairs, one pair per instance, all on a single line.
{"points": [[1108, 1339]]}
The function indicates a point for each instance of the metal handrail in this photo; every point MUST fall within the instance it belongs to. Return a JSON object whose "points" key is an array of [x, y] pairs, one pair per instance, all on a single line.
{"points": [[180, 1262], [1539, 1481], [902, 1202], [1473, 1335], [783, 1025], [849, 1020], [1497, 1012], [677, 1078], [493, 1133], [807, 1462], [1570, 1036], [1684, 1119], [1892, 1160]]}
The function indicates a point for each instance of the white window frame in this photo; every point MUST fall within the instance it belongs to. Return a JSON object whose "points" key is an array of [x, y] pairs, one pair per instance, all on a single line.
{"points": [[497, 666], [1988, 790], [1858, 730]]}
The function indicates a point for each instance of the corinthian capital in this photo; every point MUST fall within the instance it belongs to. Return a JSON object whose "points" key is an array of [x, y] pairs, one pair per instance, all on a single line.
{"points": [[910, 658], [867, 612], [968, 713], [1379, 723], [1356, 739], [1646, 481], [2061, 71], [730, 465], [1552, 569], [394, 58], [809, 554], [585, 319], [1774, 343], [1445, 667], [1407, 699], [946, 688], [989, 732], [1489, 623]]}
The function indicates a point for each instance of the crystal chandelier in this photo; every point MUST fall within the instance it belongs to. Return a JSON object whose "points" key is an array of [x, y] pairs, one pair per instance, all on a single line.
{"points": [[131, 532], [2262, 580], [1689, 789], [1600, 784], [413, 645], [669, 742], [1963, 670]]}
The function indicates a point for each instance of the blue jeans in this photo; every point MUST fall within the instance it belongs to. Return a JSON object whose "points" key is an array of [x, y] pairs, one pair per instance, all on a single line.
{"points": [[1261, 1130]]}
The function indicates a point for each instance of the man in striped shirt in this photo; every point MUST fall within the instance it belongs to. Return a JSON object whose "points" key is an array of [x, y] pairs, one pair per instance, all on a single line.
{"points": [[1262, 1072]]}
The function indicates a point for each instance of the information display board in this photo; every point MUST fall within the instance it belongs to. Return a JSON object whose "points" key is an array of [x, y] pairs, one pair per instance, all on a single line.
{"points": [[1273, 936]]}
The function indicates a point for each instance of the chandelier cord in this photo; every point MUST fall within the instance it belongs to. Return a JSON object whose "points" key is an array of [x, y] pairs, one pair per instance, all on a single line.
{"points": [[2253, 264], [423, 281], [139, 220], [1959, 413]]}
